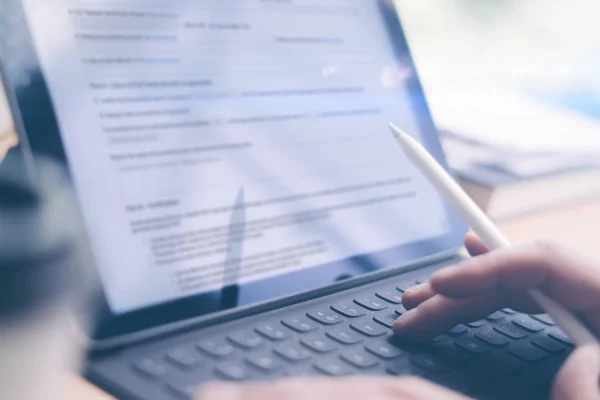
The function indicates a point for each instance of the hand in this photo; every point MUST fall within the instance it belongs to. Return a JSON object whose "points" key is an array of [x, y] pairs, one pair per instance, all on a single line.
{"points": [[355, 388], [458, 294], [578, 378], [7, 141], [489, 281]]}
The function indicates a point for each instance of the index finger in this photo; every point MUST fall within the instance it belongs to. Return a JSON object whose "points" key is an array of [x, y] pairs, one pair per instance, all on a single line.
{"points": [[568, 279]]}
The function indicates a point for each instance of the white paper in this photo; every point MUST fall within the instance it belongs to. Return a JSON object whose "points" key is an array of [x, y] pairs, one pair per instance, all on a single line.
{"points": [[514, 122]]}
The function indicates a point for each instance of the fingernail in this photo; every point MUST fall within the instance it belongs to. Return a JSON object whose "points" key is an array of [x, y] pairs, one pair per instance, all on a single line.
{"points": [[221, 392], [412, 289]]}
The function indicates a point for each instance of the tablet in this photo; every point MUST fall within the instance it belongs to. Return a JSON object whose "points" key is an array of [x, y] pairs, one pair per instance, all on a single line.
{"points": [[226, 154]]}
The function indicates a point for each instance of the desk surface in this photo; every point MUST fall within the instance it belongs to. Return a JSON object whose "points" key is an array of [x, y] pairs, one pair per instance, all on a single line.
{"points": [[574, 226]]}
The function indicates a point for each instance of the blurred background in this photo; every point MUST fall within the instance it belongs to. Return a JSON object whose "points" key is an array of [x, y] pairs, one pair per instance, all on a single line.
{"points": [[549, 49], [514, 87]]}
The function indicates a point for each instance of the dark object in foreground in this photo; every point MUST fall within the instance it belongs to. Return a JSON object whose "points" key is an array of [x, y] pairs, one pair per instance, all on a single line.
{"points": [[42, 277]]}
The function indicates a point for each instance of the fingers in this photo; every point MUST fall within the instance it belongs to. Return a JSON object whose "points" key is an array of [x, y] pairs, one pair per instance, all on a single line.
{"points": [[578, 378], [292, 389], [439, 314], [415, 295], [474, 245], [419, 389], [498, 279], [418, 294], [566, 278], [220, 391], [517, 269], [445, 314], [355, 388]]}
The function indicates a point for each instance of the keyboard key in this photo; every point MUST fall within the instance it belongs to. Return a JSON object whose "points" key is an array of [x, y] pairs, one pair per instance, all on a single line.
{"points": [[387, 320], [391, 296], [561, 337], [384, 350], [501, 363], [400, 310], [548, 344], [344, 336], [182, 358], [429, 362], [543, 318], [369, 328], [490, 368], [273, 375], [370, 303], [184, 391], [359, 359], [528, 324], [401, 366], [439, 338], [272, 331], [215, 348], [293, 352], [509, 330], [492, 338], [508, 311], [527, 352], [458, 330], [520, 389], [477, 324], [318, 344], [150, 368], [332, 367], [233, 372], [325, 316], [246, 340], [349, 310], [263, 362], [464, 379], [471, 345], [404, 287], [451, 354], [306, 371], [300, 324], [495, 316]]}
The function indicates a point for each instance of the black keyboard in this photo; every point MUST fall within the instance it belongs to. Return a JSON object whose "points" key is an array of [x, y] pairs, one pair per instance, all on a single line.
{"points": [[506, 355]]}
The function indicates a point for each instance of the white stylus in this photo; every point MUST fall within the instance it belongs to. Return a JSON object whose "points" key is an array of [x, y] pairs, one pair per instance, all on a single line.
{"points": [[489, 234]]}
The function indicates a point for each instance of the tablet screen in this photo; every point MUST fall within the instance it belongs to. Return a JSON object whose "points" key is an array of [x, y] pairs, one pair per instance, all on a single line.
{"points": [[216, 144]]}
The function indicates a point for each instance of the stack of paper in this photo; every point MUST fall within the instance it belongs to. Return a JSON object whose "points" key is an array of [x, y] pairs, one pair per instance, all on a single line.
{"points": [[516, 155], [515, 133]]}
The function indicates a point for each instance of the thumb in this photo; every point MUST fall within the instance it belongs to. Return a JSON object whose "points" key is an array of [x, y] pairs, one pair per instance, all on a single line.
{"points": [[578, 378]]}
